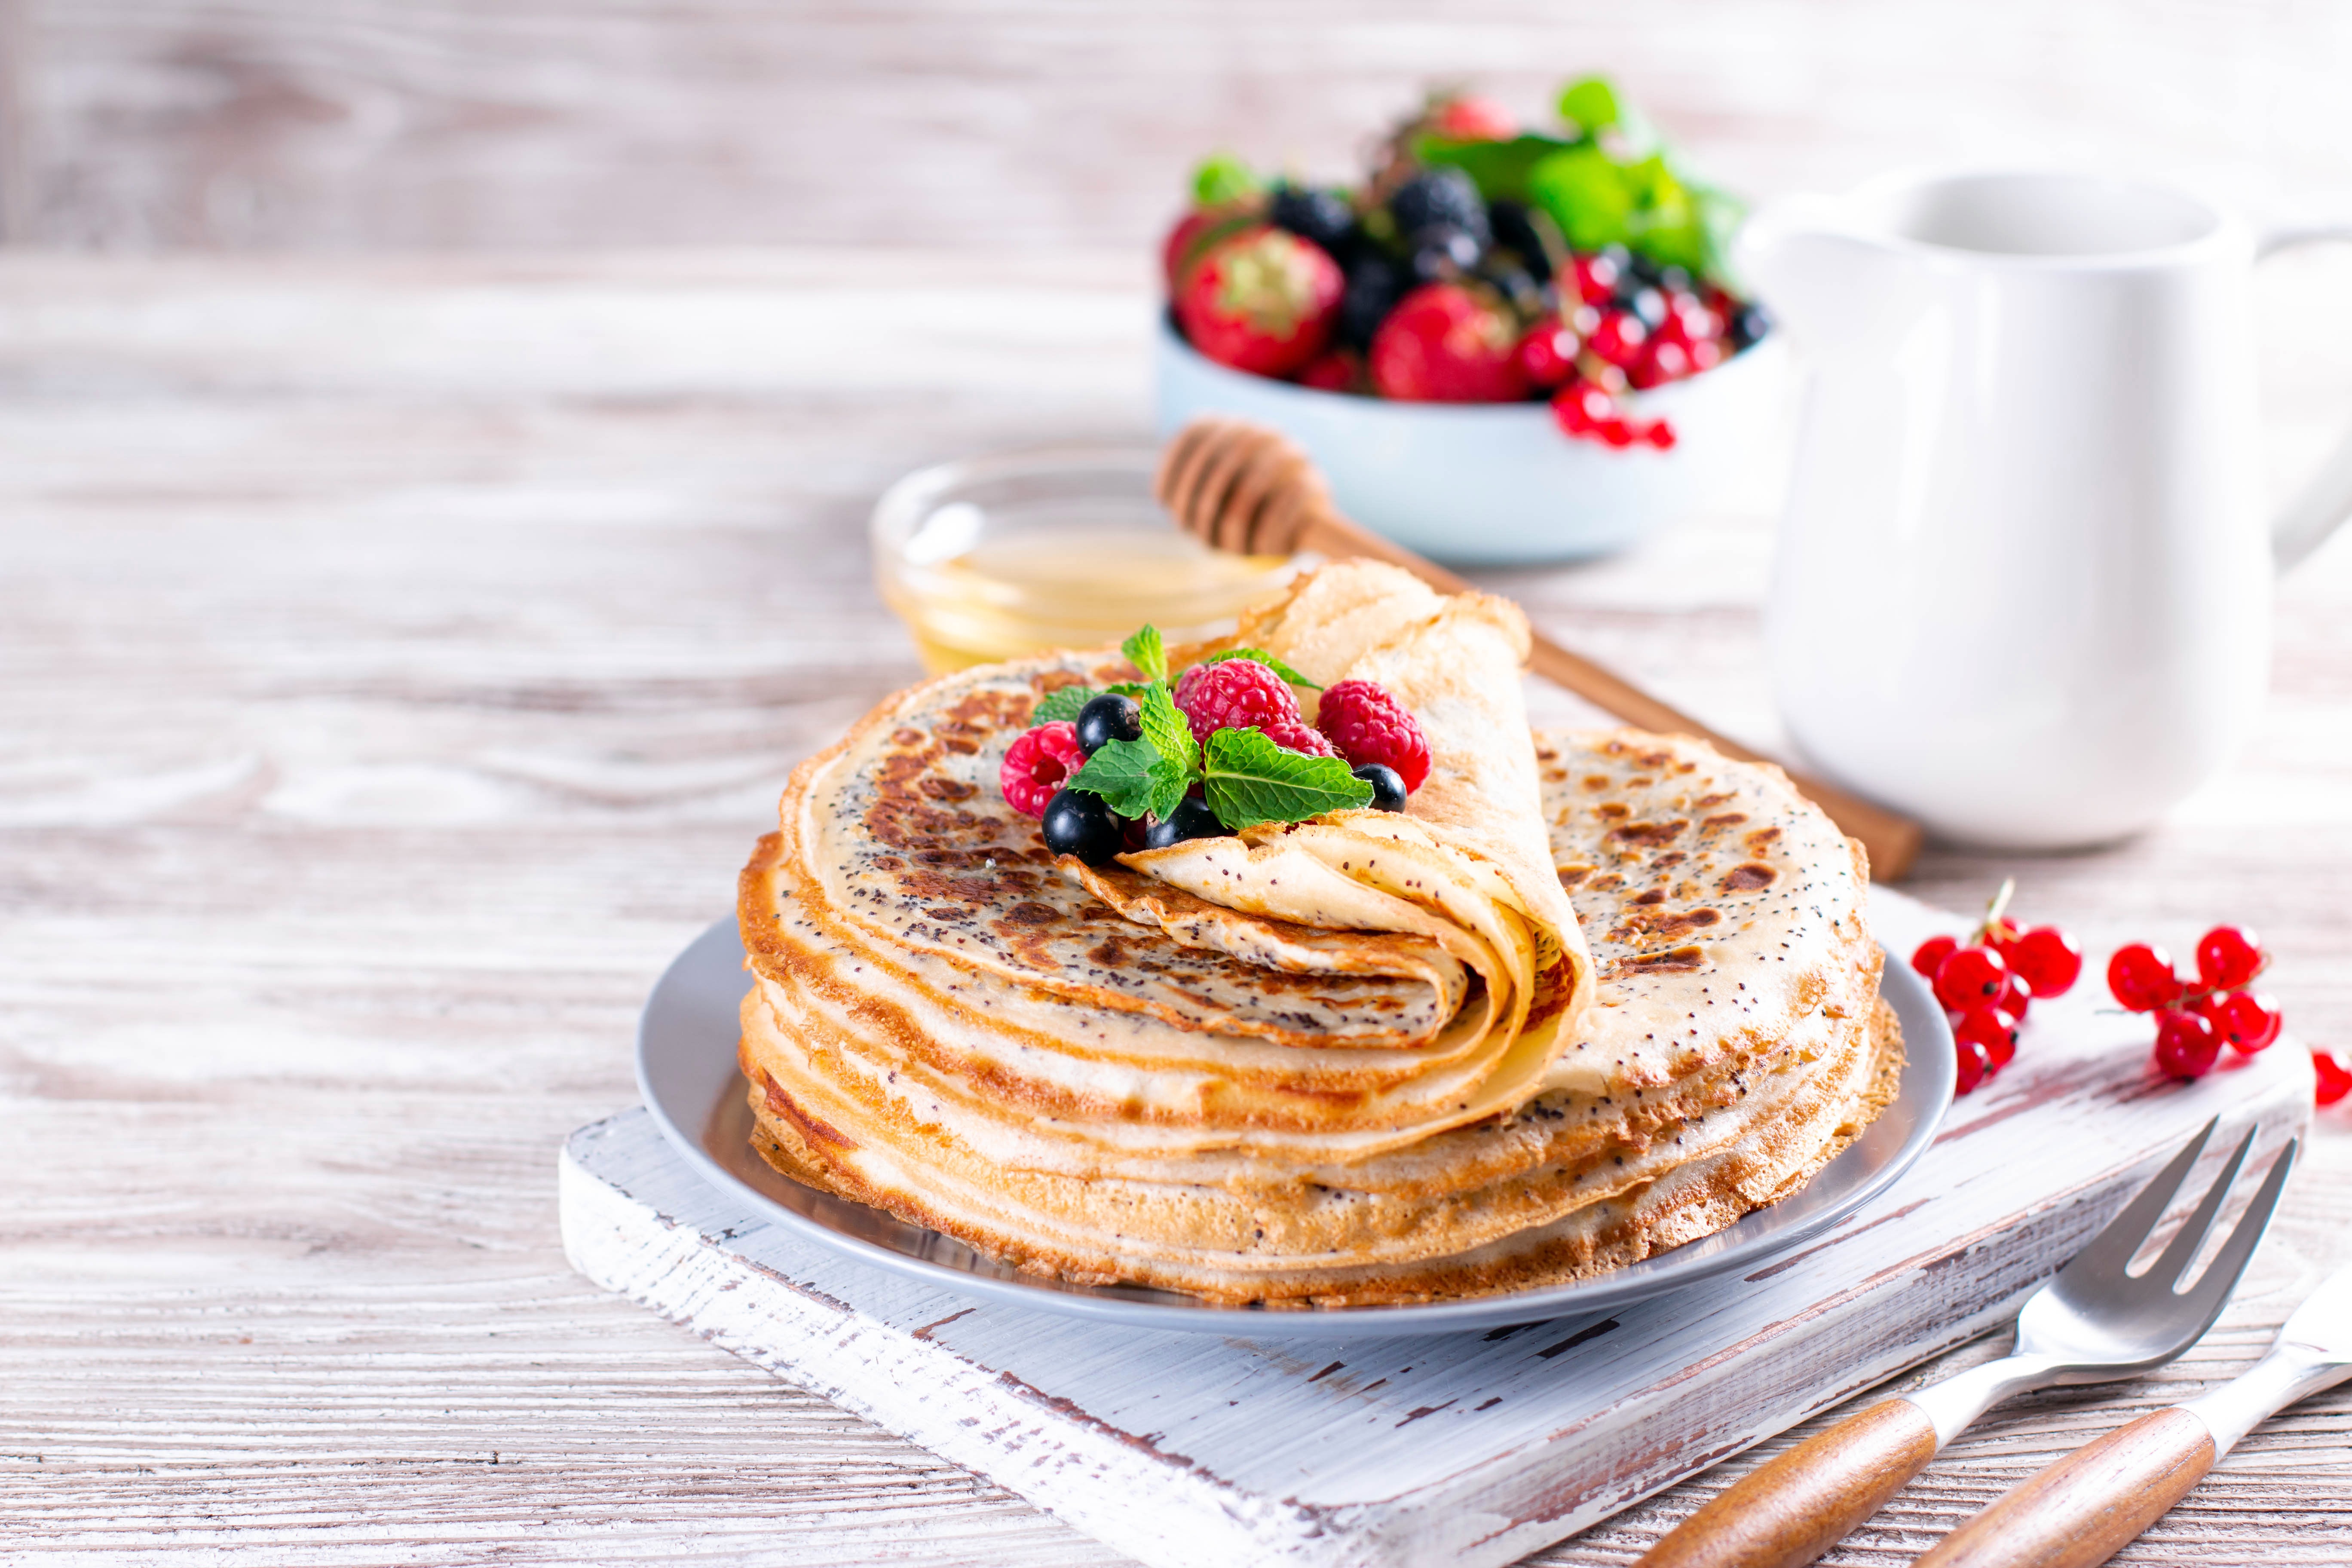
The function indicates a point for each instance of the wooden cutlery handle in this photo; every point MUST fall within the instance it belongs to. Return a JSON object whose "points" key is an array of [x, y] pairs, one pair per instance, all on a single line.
{"points": [[1892, 841], [1791, 1509], [2088, 1506]]}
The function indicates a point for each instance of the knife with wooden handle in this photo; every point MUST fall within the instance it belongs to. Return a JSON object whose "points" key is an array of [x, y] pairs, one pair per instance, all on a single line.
{"points": [[2095, 1501]]}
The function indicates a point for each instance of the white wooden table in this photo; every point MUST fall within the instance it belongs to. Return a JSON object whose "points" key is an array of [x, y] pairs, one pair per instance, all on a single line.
{"points": [[396, 660]]}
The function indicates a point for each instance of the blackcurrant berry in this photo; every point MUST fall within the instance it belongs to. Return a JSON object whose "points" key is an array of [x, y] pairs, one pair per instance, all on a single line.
{"points": [[1191, 819], [1650, 305], [1109, 718], [1388, 785], [1079, 821], [1748, 326], [1513, 228]]}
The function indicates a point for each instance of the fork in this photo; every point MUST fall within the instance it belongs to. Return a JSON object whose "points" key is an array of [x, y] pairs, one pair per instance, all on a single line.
{"points": [[2093, 1323]]}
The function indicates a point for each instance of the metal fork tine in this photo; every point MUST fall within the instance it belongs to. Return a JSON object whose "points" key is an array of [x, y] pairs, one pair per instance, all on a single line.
{"points": [[2220, 1275], [2172, 1266], [2112, 1249]]}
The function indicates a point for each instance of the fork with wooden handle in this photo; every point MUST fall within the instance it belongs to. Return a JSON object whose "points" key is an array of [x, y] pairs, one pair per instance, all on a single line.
{"points": [[2093, 1323], [1242, 486], [2088, 1506]]}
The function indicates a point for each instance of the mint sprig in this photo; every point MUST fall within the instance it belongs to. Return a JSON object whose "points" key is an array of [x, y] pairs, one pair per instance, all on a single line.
{"points": [[1248, 779], [1245, 777], [1134, 779]]}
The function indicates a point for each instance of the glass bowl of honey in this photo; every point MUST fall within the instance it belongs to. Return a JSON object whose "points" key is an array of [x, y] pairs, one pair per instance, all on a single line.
{"points": [[996, 557]]}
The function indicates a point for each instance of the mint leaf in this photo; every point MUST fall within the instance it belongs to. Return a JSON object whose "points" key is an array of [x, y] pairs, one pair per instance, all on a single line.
{"points": [[1248, 780], [1586, 192], [1135, 689], [1590, 105], [1222, 178], [1130, 775], [1169, 733], [1145, 651], [1061, 705], [1289, 676]]}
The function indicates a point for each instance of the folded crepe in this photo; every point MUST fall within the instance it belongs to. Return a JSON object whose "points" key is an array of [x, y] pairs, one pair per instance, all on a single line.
{"points": [[1375, 1057]]}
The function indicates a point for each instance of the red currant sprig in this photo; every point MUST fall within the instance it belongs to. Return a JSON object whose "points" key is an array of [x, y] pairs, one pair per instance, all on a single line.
{"points": [[1987, 984], [2195, 1019]]}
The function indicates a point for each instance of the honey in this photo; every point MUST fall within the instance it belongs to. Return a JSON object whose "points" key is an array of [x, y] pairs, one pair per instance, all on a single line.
{"points": [[1001, 557]]}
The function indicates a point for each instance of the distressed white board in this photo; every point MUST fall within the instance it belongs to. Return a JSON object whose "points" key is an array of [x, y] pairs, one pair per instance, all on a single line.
{"points": [[1473, 1448]]}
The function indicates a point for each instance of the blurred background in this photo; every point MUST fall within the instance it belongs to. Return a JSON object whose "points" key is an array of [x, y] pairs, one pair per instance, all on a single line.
{"points": [[531, 125]]}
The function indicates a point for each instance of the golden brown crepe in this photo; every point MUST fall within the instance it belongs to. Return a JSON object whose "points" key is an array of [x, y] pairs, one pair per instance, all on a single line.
{"points": [[1282, 1068]]}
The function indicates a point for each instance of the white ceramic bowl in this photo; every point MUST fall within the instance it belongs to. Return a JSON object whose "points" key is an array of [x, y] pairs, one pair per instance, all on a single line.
{"points": [[1487, 484]]}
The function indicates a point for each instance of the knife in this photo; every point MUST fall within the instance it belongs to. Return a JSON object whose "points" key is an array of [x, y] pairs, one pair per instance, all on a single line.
{"points": [[2088, 1506]]}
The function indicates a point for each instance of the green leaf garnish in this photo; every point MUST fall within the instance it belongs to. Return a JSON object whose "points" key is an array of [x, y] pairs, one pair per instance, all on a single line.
{"points": [[1289, 676], [1248, 780], [1221, 179], [1145, 651], [1169, 733], [1590, 105], [1130, 775], [1061, 705]]}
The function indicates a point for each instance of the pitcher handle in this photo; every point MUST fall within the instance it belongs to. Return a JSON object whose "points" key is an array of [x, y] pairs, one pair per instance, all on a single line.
{"points": [[2325, 501]]}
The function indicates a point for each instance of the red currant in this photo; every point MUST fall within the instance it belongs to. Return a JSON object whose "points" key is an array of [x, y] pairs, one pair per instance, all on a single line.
{"points": [[1615, 432], [1994, 1030], [1662, 361], [1619, 338], [2047, 960], [1929, 955], [1581, 409], [1970, 978], [2186, 1045], [2249, 1020], [1596, 278], [2335, 1078], [1659, 434], [2141, 978], [1973, 1063], [2015, 998], [1548, 355], [2227, 957]]}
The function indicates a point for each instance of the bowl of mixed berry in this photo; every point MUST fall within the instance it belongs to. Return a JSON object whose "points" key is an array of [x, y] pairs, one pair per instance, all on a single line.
{"points": [[1504, 344]]}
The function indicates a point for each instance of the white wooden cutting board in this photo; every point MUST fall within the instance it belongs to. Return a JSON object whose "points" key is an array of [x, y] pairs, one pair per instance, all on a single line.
{"points": [[1475, 1448]]}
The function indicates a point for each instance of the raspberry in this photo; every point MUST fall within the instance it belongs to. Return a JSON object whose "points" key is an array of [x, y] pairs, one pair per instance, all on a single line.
{"points": [[1368, 725], [1037, 764], [1296, 735], [1236, 694]]}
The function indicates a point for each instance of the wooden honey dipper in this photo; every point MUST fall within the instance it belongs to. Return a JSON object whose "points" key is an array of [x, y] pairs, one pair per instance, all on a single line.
{"points": [[1243, 488]]}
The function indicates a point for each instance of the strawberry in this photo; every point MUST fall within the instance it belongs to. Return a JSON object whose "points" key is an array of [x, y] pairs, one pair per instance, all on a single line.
{"points": [[1263, 300], [1470, 119], [1334, 370], [1194, 232], [1445, 343]]}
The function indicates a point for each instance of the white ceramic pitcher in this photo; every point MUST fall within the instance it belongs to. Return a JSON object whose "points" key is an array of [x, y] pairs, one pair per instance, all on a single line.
{"points": [[2023, 588]]}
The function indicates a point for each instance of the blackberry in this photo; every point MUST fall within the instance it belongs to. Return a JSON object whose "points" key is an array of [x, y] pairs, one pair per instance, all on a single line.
{"points": [[1322, 216], [1441, 195], [1443, 251], [1375, 284], [1514, 230]]}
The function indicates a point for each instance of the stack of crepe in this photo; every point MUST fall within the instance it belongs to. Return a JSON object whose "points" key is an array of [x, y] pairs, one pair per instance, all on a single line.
{"points": [[1590, 996]]}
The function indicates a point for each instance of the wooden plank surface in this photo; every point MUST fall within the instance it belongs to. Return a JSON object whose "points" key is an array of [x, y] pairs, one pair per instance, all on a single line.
{"points": [[263, 124], [379, 711]]}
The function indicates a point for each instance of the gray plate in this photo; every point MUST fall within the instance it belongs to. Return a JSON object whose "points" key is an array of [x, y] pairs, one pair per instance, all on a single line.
{"points": [[686, 1066]]}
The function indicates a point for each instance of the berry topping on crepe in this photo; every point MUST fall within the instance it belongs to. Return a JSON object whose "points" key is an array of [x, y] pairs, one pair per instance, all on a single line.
{"points": [[1368, 725], [1236, 694], [1037, 764]]}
